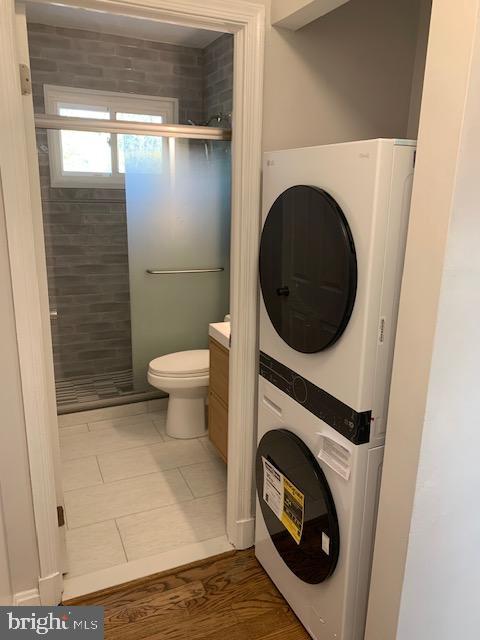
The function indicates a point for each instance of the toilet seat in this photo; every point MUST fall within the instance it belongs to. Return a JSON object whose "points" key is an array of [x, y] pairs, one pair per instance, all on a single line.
{"points": [[182, 364]]}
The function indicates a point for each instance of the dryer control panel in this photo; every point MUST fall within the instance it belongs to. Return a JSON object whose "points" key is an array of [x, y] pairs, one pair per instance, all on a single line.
{"points": [[353, 425]]}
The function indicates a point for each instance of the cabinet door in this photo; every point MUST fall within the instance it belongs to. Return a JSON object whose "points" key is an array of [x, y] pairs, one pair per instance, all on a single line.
{"points": [[218, 424], [219, 370]]}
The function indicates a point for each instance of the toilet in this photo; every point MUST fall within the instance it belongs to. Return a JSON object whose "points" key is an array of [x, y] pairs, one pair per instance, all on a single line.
{"points": [[184, 376]]}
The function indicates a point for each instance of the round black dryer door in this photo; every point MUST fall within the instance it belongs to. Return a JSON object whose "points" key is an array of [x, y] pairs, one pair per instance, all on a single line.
{"points": [[297, 506], [308, 268]]}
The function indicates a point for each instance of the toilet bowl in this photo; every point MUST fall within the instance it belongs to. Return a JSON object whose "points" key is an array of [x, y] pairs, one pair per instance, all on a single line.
{"points": [[184, 376]]}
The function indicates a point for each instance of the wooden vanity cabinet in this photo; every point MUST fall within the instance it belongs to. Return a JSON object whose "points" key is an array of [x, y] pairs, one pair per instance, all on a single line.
{"points": [[218, 397]]}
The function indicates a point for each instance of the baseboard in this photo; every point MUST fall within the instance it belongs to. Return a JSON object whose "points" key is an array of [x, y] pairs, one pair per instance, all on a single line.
{"points": [[30, 598], [50, 589], [49, 593], [243, 535]]}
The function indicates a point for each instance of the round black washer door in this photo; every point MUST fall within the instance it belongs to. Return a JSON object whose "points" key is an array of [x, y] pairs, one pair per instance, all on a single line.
{"points": [[314, 559], [308, 268]]}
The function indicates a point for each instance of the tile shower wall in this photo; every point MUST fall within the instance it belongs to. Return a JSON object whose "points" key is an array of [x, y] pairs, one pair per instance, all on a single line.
{"points": [[219, 76], [87, 265], [86, 59], [85, 229]]}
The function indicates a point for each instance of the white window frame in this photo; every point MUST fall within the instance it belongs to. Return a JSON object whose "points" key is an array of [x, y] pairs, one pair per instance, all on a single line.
{"points": [[72, 97]]}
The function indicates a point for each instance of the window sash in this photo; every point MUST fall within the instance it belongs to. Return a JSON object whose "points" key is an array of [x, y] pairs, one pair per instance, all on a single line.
{"points": [[57, 98]]}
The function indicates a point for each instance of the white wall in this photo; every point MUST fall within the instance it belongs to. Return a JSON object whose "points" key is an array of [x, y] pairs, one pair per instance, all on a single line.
{"points": [[21, 544], [347, 76], [294, 14], [443, 562], [428, 502], [419, 68]]}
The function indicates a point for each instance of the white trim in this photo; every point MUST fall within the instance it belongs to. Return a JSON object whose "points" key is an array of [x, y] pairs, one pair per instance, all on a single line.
{"points": [[109, 102], [34, 369], [244, 529], [119, 574], [37, 217], [247, 21], [242, 410], [113, 100], [6, 593], [30, 598], [214, 15], [50, 588]]}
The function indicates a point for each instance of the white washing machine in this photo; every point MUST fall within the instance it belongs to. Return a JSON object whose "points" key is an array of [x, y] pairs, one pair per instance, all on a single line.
{"points": [[334, 230]]}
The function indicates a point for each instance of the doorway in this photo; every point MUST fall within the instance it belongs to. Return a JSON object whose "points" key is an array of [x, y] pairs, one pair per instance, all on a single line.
{"points": [[244, 230]]}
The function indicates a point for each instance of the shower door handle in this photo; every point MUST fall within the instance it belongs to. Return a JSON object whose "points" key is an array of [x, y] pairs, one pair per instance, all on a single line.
{"points": [[162, 272]]}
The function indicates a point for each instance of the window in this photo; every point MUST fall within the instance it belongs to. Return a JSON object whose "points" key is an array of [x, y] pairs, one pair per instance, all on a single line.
{"points": [[92, 159]]}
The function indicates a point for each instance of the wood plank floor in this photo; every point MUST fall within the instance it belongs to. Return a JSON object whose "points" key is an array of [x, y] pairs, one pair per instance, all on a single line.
{"points": [[225, 597]]}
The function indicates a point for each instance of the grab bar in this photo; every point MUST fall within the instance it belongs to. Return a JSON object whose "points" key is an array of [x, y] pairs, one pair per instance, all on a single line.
{"points": [[157, 272]]}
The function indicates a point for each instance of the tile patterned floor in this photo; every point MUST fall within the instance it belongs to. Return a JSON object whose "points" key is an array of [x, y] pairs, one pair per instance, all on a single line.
{"points": [[83, 389], [131, 491]]}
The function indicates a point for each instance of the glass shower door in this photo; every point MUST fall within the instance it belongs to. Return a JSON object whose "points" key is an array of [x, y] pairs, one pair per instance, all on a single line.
{"points": [[178, 219]]}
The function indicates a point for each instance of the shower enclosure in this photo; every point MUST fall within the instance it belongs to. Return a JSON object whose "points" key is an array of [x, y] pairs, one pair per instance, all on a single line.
{"points": [[137, 271]]}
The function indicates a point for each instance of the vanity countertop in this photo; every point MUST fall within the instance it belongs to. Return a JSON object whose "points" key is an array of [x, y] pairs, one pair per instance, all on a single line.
{"points": [[220, 331]]}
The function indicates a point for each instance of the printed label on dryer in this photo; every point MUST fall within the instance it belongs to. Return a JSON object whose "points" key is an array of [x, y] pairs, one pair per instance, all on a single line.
{"points": [[338, 457], [273, 488], [285, 500], [293, 510]]}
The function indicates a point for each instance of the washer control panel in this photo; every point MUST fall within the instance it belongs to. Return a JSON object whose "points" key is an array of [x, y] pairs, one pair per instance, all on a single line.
{"points": [[353, 425]]}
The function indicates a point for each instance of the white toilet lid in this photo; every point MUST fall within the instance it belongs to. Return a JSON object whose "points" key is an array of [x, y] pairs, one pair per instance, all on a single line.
{"points": [[182, 363]]}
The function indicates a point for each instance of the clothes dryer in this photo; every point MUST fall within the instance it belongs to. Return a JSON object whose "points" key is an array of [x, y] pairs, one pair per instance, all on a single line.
{"points": [[331, 259]]}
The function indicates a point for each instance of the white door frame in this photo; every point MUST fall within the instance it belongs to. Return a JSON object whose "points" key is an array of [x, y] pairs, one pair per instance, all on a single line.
{"points": [[22, 199], [41, 265]]}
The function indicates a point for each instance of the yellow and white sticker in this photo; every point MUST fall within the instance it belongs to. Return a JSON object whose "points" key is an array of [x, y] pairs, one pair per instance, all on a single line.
{"points": [[285, 500]]}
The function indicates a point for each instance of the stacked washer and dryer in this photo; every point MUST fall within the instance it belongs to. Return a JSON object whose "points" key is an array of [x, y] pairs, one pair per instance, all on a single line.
{"points": [[331, 258]]}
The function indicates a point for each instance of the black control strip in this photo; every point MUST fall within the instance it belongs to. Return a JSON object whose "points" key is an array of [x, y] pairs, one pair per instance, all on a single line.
{"points": [[351, 424]]}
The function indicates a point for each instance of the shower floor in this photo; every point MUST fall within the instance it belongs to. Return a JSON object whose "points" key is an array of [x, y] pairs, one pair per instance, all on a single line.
{"points": [[104, 389]]}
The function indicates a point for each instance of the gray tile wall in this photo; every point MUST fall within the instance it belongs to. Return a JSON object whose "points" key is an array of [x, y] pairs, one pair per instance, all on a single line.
{"points": [[87, 266], [218, 76], [85, 229], [85, 59]]}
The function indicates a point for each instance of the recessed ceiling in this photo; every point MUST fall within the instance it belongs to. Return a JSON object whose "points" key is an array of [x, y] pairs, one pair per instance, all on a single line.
{"points": [[62, 16]]}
